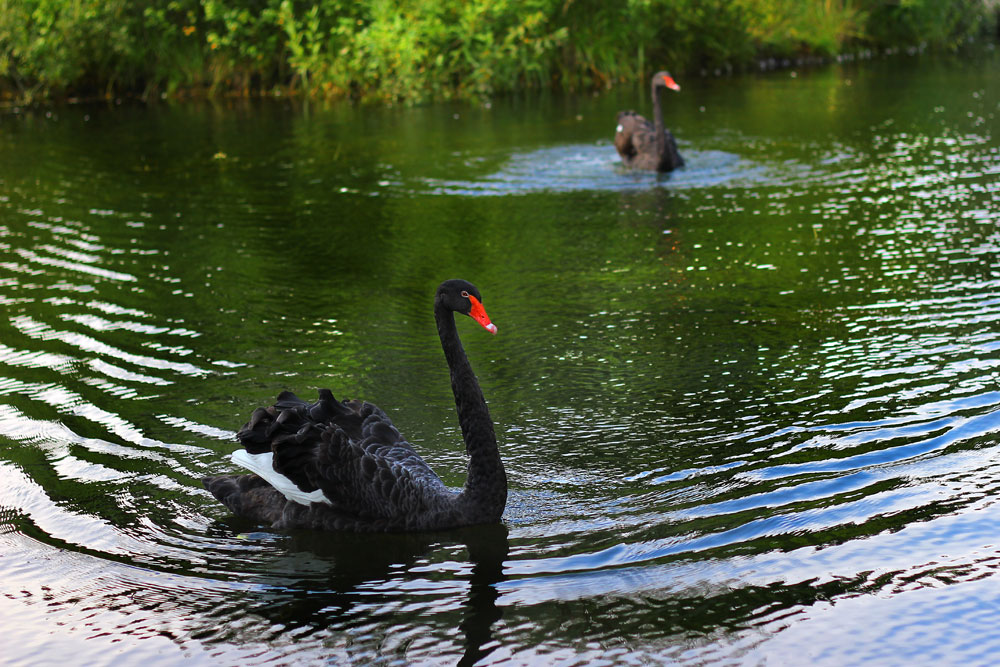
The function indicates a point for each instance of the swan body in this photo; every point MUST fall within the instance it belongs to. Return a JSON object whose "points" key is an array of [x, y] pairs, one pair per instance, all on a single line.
{"points": [[343, 465], [645, 145]]}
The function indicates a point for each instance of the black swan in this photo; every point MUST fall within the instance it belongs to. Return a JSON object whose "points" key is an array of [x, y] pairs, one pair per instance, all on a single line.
{"points": [[342, 465], [645, 145]]}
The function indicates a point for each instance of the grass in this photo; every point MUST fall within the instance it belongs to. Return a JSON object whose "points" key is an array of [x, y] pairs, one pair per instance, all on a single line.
{"points": [[413, 50]]}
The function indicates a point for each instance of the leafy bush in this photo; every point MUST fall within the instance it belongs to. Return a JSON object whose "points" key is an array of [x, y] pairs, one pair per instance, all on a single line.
{"points": [[416, 49]]}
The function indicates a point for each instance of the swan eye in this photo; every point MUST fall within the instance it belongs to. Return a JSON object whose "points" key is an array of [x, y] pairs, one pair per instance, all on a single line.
{"points": [[465, 294]]}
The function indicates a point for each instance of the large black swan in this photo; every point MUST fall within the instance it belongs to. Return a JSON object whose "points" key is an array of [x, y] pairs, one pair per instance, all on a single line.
{"points": [[645, 145], [342, 465]]}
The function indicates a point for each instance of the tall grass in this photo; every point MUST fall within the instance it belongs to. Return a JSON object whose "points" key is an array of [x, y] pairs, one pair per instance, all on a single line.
{"points": [[410, 50]]}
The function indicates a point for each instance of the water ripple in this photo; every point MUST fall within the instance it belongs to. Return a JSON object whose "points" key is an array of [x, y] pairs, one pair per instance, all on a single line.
{"points": [[595, 167], [741, 405]]}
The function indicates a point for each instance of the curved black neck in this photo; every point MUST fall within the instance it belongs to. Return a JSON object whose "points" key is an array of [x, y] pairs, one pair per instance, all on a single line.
{"points": [[661, 139], [486, 486]]}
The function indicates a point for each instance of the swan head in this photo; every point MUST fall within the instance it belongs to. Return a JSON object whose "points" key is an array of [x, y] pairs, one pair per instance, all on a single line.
{"points": [[663, 78], [463, 297]]}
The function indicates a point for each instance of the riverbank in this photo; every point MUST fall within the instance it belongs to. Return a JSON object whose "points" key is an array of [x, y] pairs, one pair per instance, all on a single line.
{"points": [[416, 50]]}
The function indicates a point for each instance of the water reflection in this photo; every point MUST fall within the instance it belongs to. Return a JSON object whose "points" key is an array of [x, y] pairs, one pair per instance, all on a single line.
{"points": [[738, 405], [318, 581], [333, 594]]}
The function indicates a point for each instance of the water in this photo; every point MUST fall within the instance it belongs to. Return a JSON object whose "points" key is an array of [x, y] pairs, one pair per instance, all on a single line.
{"points": [[749, 410]]}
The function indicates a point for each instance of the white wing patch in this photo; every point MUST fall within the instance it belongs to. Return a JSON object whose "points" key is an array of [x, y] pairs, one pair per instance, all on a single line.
{"points": [[263, 465], [619, 128]]}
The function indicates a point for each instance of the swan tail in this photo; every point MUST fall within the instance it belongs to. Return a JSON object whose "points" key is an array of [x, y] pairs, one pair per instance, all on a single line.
{"points": [[247, 496]]}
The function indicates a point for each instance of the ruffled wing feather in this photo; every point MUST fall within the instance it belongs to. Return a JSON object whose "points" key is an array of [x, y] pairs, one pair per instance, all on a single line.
{"points": [[349, 450]]}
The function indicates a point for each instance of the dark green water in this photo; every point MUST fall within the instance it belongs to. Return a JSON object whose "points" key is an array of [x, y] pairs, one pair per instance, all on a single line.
{"points": [[749, 411]]}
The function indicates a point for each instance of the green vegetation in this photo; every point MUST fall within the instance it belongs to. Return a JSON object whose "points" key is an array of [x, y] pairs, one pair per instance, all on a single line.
{"points": [[409, 50]]}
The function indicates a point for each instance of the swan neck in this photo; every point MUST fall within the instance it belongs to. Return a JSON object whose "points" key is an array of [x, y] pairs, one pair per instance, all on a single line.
{"points": [[485, 491], [658, 118]]}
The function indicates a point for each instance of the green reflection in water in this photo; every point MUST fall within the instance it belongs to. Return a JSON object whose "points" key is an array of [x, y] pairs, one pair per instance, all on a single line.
{"points": [[723, 396]]}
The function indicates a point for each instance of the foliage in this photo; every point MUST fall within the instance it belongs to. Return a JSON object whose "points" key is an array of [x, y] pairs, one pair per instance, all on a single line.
{"points": [[48, 44], [917, 22], [415, 49], [786, 26]]}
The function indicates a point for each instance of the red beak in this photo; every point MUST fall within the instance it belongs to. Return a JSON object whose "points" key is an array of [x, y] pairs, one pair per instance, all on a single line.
{"points": [[478, 313], [671, 84]]}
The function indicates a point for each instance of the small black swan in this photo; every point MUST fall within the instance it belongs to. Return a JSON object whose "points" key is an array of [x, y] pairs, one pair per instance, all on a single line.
{"points": [[643, 145], [343, 465]]}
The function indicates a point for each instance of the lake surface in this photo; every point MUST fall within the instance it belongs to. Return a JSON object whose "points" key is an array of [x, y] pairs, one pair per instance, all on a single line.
{"points": [[749, 411]]}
